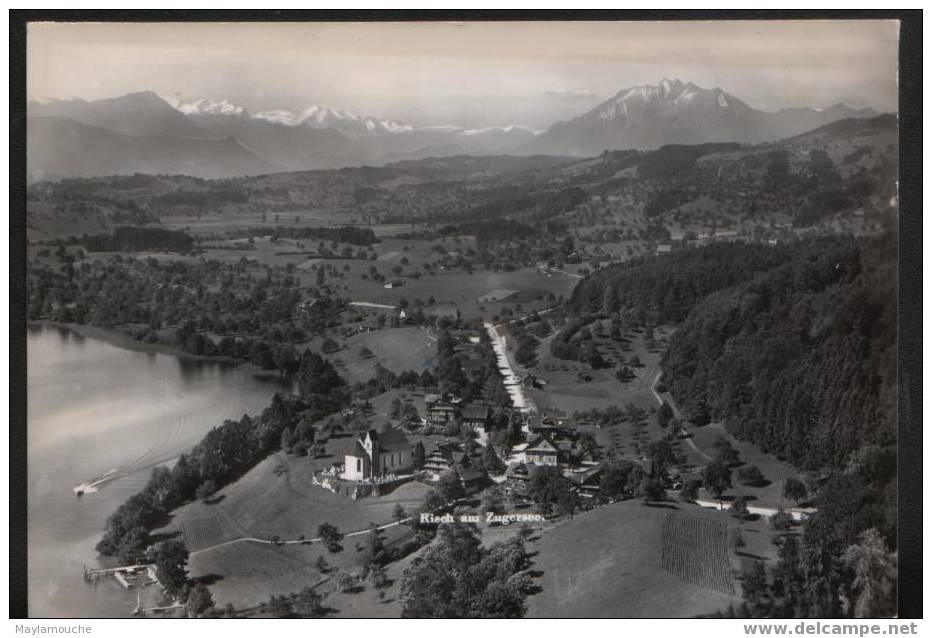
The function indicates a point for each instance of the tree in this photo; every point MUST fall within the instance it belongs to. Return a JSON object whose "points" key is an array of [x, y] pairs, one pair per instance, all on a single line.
{"points": [[307, 603], [331, 537], [171, 565], [329, 346], [418, 455], [548, 487], [875, 572], [781, 521], [739, 507], [717, 479], [204, 490], [727, 454], [492, 500], [690, 490], [199, 601], [664, 415], [756, 592], [399, 513], [287, 440], [450, 487], [345, 581], [735, 539], [795, 490], [661, 458], [751, 475], [567, 502], [457, 577], [378, 577], [651, 490], [490, 460], [322, 565], [373, 551]]}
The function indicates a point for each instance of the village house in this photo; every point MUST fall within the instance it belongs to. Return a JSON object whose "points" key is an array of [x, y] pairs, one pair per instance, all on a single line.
{"points": [[586, 480], [472, 479], [441, 409], [373, 454], [540, 451], [531, 382], [517, 480], [479, 419], [442, 458], [550, 426]]}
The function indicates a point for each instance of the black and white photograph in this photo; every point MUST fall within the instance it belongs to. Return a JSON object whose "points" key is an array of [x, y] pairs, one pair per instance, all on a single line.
{"points": [[453, 318]]}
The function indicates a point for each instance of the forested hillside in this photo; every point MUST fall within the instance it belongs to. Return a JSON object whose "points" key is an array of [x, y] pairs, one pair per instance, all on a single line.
{"points": [[669, 288], [801, 359]]}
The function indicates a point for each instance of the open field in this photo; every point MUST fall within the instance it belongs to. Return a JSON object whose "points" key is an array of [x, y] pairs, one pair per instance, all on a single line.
{"points": [[775, 471], [608, 563], [276, 499], [248, 574], [574, 386], [398, 349], [695, 549], [456, 287]]}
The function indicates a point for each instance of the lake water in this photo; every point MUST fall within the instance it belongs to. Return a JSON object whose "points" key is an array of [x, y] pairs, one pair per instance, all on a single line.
{"points": [[104, 416]]}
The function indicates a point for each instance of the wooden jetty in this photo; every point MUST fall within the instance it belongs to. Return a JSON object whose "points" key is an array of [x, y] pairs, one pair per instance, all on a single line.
{"points": [[129, 576]]}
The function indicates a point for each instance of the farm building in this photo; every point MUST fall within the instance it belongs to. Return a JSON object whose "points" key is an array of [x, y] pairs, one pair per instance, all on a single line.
{"points": [[586, 480], [531, 382], [375, 453], [473, 479]]}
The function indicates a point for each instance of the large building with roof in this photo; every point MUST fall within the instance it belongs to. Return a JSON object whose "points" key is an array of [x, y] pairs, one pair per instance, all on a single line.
{"points": [[374, 454]]}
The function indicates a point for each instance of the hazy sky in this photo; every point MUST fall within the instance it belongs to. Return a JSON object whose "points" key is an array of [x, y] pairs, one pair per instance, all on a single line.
{"points": [[471, 74]]}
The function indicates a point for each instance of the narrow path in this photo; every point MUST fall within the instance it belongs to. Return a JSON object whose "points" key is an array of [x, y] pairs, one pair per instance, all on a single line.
{"points": [[307, 541], [367, 304], [676, 413]]}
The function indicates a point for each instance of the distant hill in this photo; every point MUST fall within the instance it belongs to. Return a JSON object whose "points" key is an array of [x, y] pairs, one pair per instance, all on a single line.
{"points": [[676, 112], [143, 113], [60, 147]]}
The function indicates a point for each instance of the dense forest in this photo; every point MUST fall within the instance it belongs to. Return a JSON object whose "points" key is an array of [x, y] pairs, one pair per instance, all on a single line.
{"points": [[131, 239], [801, 360], [794, 349], [669, 288], [342, 234]]}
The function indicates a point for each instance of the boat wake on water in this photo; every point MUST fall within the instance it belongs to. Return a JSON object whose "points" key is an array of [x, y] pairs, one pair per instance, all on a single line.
{"points": [[156, 455]]}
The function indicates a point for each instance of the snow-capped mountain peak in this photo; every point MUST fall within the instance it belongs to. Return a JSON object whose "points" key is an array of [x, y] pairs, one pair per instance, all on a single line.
{"points": [[206, 106], [322, 116]]}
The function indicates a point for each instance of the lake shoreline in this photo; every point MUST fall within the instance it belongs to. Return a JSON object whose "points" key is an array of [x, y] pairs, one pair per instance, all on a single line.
{"points": [[120, 339]]}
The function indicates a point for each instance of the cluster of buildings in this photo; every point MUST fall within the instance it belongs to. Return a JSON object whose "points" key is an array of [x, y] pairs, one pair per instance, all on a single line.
{"points": [[549, 441]]}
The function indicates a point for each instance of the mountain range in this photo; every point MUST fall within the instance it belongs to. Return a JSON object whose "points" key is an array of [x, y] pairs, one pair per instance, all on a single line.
{"points": [[147, 133]]}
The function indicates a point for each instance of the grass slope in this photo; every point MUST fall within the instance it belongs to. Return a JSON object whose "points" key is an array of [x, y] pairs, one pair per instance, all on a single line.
{"points": [[608, 563]]}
